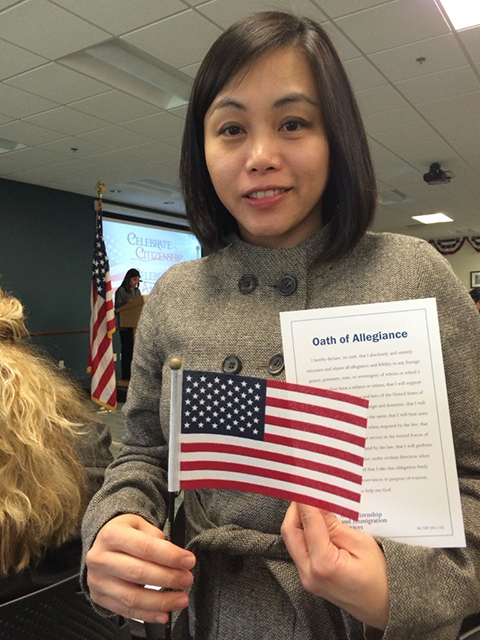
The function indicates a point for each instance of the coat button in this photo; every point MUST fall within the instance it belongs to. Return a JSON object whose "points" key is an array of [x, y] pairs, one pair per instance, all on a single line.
{"points": [[287, 285], [276, 364], [232, 364], [247, 283], [235, 564]]}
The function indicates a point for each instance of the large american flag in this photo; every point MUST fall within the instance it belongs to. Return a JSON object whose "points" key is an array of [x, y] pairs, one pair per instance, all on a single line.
{"points": [[102, 326], [275, 438]]}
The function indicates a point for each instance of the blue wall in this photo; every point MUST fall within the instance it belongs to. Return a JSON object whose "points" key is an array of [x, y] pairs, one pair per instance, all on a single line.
{"points": [[46, 250]]}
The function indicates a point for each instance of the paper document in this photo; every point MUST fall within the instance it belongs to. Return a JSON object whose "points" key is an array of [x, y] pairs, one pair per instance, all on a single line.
{"points": [[391, 354]]}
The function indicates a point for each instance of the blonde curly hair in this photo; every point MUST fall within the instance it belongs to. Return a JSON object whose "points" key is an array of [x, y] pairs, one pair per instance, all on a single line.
{"points": [[43, 484]]}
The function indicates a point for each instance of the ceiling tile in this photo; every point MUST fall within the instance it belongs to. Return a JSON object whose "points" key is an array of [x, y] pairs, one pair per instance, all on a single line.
{"points": [[65, 147], [442, 84], [161, 125], [156, 151], [384, 159], [363, 74], [119, 16], [393, 24], [191, 69], [26, 133], [176, 141], [346, 49], [336, 8], [440, 53], [419, 146], [226, 12], [161, 39], [19, 104], [10, 163], [112, 160], [195, 3], [115, 107], [48, 30], [33, 156], [7, 3], [458, 132], [460, 105], [392, 120], [115, 138], [379, 99], [471, 40], [4, 119], [44, 175], [67, 121], [181, 112], [58, 83], [14, 60]]}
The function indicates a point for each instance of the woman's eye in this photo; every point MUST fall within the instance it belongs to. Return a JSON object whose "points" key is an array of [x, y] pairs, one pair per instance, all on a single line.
{"points": [[293, 125], [231, 130]]}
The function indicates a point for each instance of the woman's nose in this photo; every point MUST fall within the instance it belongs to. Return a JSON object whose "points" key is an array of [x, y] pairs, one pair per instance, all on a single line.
{"points": [[263, 155]]}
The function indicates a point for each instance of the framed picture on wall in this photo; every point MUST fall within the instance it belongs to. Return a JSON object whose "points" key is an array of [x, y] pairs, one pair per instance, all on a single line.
{"points": [[475, 279]]}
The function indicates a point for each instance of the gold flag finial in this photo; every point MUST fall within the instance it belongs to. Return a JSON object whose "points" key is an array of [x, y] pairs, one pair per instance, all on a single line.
{"points": [[100, 187]]}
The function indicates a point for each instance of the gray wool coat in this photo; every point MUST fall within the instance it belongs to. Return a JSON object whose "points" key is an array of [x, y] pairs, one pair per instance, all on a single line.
{"points": [[246, 587]]}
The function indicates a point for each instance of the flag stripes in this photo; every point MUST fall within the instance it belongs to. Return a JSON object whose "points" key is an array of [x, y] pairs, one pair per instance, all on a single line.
{"points": [[102, 326], [276, 489], [273, 438]]}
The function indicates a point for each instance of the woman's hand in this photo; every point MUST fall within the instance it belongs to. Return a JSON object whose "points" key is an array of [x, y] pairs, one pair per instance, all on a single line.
{"points": [[342, 565], [128, 553]]}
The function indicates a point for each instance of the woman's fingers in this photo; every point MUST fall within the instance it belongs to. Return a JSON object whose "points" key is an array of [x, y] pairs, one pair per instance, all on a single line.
{"points": [[345, 566], [140, 571], [129, 553], [134, 601], [137, 537]]}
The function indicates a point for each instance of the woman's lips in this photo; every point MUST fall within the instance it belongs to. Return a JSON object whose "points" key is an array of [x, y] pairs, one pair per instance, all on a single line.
{"points": [[268, 193]]}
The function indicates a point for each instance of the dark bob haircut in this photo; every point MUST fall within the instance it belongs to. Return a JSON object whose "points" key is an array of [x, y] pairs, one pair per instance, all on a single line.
{"points": [[348, 202], [131, 273]]}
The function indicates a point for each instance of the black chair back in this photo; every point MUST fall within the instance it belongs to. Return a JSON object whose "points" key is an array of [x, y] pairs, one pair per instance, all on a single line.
{"points": [[58, 612]]}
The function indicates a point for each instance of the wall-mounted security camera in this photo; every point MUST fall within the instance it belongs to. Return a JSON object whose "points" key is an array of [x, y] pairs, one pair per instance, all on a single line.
{"points": [[436, 175]]}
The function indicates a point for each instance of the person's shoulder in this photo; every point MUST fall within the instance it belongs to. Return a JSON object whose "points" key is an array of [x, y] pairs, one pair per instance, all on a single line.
{"points": [[385, 239], [398, 246]]}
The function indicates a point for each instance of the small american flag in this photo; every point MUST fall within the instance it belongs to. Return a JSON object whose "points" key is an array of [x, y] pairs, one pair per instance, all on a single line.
{"points": [[102, 326], [275, 438]]}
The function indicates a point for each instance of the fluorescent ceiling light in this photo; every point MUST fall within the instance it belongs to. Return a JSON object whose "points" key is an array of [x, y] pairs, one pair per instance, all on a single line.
{"points": [[122, 66], [10, 145], [462, 13], [432, 218]]}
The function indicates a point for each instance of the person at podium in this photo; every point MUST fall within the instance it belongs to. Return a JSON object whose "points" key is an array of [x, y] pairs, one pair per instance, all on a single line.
{"points": [[128, 290]]}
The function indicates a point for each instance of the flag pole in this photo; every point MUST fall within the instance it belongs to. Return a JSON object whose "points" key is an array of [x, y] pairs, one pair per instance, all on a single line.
{"points": [[102, 319], [101, 189], [173, 456]]}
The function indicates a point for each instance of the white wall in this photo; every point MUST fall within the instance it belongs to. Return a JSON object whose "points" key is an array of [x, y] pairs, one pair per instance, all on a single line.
{"points": [[465, 261]]}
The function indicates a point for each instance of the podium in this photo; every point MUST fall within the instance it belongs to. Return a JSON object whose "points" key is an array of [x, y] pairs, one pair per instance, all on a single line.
{"points": [[129, 314]]}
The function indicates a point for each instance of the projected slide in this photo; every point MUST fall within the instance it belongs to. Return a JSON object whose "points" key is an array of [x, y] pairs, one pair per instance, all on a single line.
{"points": [[151, 250]]}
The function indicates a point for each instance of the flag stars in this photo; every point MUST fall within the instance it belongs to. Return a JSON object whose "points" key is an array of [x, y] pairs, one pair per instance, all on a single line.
{"points": [[221, 404]]}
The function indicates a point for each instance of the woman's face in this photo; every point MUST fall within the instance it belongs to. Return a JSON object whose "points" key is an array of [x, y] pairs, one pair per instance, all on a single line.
{"points": [[267, 152], [134, 282]]}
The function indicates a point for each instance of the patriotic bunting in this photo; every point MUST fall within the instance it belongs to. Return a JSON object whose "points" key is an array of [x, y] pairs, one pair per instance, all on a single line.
{"points": [[448, 246]]}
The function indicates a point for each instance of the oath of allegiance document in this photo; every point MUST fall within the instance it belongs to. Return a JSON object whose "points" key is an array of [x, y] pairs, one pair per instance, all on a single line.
{"points": [[391, 354]]}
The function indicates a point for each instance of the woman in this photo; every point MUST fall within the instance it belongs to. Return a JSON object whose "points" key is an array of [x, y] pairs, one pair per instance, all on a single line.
{"points": [[279, 186], [126, 292], [52, 461]]}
